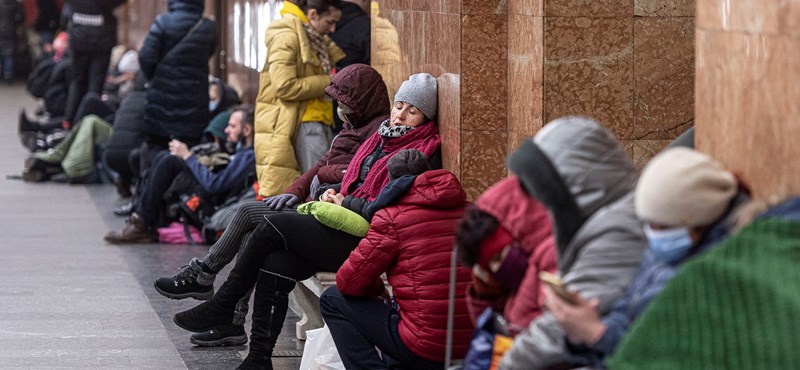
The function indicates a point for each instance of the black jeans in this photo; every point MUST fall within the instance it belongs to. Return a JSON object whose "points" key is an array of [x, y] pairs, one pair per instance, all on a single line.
{"points": [[151, 205], [92, 103], [359, 324], [116, 158], [290, 245], [90, 69]]}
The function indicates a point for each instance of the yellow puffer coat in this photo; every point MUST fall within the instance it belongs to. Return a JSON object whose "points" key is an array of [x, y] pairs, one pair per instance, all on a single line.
{"points": [[292, 77]]}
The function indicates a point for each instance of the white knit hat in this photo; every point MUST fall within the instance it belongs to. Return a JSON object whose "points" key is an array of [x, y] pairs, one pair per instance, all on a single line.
{"points": [[683, 187], [129, 63], [421, 91]]}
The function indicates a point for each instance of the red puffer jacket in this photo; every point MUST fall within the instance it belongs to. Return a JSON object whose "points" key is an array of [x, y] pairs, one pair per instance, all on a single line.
{"points": [[529, 224], [412, 241]]}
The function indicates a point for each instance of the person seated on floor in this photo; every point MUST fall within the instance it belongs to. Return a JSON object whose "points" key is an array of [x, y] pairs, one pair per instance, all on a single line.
{"points": [[231, 98], [73, 159], [506, 237], [363, 106], [411, 240], [289, 247], [688, 204], [580, 173], [167, 166], [50, 78], [220, 97], [127, 135]]}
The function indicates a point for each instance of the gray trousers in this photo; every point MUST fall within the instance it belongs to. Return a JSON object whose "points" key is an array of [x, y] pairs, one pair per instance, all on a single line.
{"points": [[249, 215], [312, 142]]}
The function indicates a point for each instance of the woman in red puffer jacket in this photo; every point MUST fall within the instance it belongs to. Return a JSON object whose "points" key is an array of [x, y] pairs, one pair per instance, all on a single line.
{"points": [[412, 241]]}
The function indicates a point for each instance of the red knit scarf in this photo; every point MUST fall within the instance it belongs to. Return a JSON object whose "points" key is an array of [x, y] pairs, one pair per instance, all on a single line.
{"points": [[424, 138]]}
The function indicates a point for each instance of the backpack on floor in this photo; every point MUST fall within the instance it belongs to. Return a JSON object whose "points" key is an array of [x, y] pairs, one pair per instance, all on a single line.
{"points": [[179, 233]]}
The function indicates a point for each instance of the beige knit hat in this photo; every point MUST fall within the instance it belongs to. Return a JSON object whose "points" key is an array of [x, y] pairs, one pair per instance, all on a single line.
{"points": [[683, 187]]}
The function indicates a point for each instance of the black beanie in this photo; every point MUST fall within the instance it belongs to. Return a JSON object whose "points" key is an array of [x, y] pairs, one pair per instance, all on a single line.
{"points": [[407, 162]]}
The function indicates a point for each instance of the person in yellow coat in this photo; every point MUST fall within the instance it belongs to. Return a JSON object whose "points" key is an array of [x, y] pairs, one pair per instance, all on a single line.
{"points": [[293, 116]]}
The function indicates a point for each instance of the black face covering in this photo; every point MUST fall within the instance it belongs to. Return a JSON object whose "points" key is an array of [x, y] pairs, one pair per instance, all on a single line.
{"points": [[541, 180]]}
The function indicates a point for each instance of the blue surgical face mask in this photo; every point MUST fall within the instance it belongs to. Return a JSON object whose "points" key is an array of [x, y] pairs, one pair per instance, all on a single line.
{"points": [[669, 245], [212, 105]]}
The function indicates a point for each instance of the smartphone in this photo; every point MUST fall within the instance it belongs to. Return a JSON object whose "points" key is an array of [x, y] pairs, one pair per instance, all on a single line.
{"points": [[559, 287]]}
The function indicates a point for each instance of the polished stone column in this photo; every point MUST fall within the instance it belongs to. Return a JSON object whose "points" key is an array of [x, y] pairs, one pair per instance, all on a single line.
{"points": [[747, 90]]}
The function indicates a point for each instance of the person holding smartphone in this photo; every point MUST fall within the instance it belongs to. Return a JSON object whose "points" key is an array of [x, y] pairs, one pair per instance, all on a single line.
{"points": [[584, 178], [686, 201]]}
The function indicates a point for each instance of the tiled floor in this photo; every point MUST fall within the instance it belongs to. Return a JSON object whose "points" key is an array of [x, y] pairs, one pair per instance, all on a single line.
{"points": [[69, 300]]}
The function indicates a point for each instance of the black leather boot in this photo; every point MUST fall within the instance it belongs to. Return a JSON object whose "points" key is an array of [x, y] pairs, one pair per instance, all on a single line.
{"points": [[24, 124], [203, 317], [269, 311]]}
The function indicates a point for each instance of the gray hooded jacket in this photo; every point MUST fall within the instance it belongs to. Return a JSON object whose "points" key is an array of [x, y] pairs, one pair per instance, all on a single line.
{"points": [[578, 170]]}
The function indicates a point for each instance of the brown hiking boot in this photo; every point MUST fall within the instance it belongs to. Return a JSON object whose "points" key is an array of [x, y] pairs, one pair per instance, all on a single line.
{"points": [[135, 231]]}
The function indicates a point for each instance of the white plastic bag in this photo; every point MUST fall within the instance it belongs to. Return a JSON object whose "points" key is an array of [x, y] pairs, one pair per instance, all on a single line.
{"points": [[320, 352]]}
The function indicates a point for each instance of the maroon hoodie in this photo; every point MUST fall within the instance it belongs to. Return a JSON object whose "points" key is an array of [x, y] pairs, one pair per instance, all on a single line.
{"points": [[362, 89]]}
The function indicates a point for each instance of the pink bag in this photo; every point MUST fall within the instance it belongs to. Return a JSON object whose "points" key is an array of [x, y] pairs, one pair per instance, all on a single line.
{"points": [[179, 233]]}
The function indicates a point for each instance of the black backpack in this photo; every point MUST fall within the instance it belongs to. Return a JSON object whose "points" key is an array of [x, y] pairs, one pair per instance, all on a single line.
{"points": [[39, 78]]}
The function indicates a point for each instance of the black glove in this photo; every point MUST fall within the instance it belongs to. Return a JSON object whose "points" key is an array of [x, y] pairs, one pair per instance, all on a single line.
{"points": [[277, 202]]}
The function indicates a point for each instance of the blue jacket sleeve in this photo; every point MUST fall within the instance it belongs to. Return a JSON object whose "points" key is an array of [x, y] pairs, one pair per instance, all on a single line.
{"points": [[241, 164], [648, 282], [617, 322]]}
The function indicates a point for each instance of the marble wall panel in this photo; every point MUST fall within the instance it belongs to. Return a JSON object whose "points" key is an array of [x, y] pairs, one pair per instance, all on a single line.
{"points": [[484, 7], [428, 6], [484, 86], [661, 8], [644, 150], [775, 17], [627, 146], [432, 6], [746, 107], [451, 149], [526, 7], [450, 120], [588, 8], [442, 37], [451, 6], [663, 76], [588, 70], [483, 159], [570, 39], [515, 139], [395, 4], [525, 74]]}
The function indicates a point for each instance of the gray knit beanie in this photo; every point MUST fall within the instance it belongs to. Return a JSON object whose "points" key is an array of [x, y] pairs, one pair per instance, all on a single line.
{"points": [[683, 187], [420, 90], [407, 162]]}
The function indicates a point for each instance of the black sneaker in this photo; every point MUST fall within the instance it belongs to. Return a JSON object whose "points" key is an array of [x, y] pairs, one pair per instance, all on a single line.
{"points": [[184, 285], [228, 335]]}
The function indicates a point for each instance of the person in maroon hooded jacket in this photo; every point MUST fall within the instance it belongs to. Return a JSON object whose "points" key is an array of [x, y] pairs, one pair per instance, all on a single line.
{"points": [[507, 239], [411, 240], [362, 93]]}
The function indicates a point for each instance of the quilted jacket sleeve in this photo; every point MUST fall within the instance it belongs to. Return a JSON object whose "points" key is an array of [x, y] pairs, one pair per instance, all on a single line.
{"points": [[360, 275], [150, 52], [283, 50]]}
